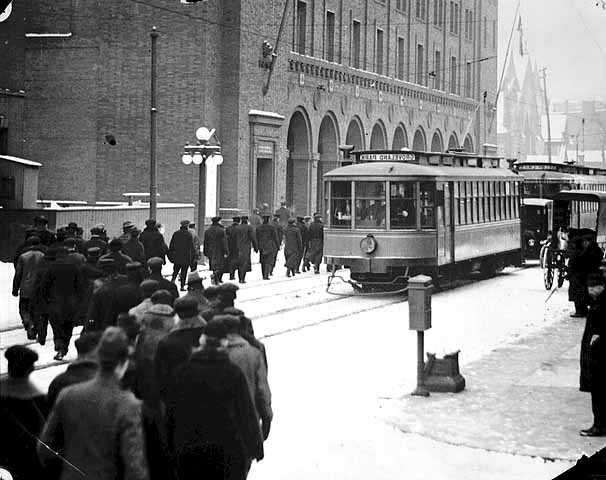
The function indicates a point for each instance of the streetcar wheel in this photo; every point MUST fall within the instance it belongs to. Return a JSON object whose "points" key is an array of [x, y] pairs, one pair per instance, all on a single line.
{"points": [[543, 256], [561, 277], [548, 277]]}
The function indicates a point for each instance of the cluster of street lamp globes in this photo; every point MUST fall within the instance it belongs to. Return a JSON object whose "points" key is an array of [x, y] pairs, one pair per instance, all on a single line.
{"points": [[197, 154]]}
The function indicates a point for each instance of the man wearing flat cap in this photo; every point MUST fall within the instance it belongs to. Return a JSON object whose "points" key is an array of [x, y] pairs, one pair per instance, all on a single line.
{"points": [[269, 244], [215, 249], [181, 253], [232, 247], [153, 241], [97, 241], [155, 268], [47, 237], [115, 253], [245, 240]]}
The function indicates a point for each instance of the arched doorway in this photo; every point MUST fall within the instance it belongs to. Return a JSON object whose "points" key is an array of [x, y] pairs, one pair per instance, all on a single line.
{"points": [[355, 134], [400, 139], [419, 144], [468, 144], [436, 142], [298, 144], [378, 137], [328, 148], [453, 142]]}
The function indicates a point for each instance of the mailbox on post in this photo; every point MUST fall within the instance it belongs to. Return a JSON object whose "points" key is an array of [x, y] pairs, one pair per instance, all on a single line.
{"points": [[419, 302], [419, 317]]}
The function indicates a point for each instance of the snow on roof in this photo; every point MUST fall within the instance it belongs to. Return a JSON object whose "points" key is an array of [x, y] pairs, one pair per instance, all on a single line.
{"points": [[22, 161], [263, 113]]}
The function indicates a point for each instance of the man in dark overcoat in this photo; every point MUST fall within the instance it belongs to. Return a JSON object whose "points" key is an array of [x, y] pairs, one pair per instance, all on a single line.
{"points": [[232, 247], [292, 247], [134, 248], [120, 260], [280, 230], [64, 288], [46, 236], [155, 273], [303, 229], [245, 240], [283, 214], [593, 355], [96, 241], [103, 309], [181, 252], [585, 259], [269, 244], [211, 418], [153, 241], [215, 249], [315, 242]]}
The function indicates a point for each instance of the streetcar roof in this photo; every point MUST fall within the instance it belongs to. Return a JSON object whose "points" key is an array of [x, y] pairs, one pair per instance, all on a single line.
{"points": [[389, 170], [581, 196], [546, 175], [537, 202]]}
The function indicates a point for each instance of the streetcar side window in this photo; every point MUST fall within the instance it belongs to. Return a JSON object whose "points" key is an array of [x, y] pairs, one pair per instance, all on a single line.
{"points": [[403, 205], [427, 195], [468, 194], [486, 201], [507, 200], [370, 204], [456, 204], [340, 204]]}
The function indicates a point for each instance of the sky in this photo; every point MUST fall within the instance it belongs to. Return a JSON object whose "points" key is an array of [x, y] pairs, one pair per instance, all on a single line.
{"points": [[568, 37]]}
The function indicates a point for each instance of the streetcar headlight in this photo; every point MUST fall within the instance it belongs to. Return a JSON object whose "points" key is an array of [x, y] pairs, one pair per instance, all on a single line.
{"points": [[531, 242], [368, 244]]}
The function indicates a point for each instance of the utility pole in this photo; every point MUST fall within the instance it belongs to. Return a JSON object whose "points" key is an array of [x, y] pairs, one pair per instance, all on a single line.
{"points": [[153, 187], [583, 138], [544, 70]]}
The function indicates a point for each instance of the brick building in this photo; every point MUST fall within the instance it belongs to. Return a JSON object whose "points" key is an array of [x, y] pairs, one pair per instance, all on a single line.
{"points": [[371, 73]]}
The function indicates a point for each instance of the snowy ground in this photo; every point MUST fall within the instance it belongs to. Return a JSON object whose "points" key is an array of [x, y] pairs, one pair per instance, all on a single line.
{"points": [[333, 360]]}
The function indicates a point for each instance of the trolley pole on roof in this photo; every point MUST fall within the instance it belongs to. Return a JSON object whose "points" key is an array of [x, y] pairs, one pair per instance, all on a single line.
{"points": [[544, 70]]}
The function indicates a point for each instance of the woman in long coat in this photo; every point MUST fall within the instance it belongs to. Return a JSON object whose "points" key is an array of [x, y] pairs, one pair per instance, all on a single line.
{"points": [[292, 246]]}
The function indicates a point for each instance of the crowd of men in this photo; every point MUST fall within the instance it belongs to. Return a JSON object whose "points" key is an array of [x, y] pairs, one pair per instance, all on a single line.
{"points": [[163, 387]]}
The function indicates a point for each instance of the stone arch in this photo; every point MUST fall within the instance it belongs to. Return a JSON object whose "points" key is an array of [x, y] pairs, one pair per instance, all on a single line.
{"points": [[400, 138], [437, 145], [328, 150], [419, 142], [298, 144], [453, 141], [355, 134], [468, 144], [378, 137]]}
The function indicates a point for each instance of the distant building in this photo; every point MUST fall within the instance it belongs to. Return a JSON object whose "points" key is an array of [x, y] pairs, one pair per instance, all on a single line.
{"points": [[520, 106]]}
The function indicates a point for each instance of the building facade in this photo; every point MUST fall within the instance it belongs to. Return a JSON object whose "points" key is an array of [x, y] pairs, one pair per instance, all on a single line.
{"points": [[75, 93]]}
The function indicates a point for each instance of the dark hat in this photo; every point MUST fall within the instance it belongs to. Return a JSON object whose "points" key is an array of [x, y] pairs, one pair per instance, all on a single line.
{"points": [[185, 223], [299, 218], [33, 240], [210, 292], [127, 225], [96, 231], [215, 219], [115, 244], [72, 225], [113, 347], [215, 329], [233, 311], [307, 217], [317, 216], [148, 287], [87, 342], [232, 322], [93, 251], [162, 297], [194, 277], [155, 262], [69, 242], [227, 287], [135, 232], [244, 217], [186, 307], [133, 266], [20, 360], [292, 221], [236, 219], [150, 222]]}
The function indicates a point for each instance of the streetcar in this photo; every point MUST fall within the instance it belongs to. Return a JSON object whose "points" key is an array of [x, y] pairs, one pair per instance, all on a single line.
{"points": [[544, 181], [566, 205], [392, 214]]}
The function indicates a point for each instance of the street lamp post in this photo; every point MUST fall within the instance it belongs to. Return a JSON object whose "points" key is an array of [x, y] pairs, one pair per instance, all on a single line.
{"points": [[202, 154]]}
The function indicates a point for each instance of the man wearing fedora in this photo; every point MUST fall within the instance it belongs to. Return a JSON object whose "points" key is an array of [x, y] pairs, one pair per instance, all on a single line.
{"points": [[181, 252], [195, 290], [215, 249], [245, 239], [269, 244]]}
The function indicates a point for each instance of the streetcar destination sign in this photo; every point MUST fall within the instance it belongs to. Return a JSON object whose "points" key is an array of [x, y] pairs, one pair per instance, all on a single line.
{"points": [[387, 157]]}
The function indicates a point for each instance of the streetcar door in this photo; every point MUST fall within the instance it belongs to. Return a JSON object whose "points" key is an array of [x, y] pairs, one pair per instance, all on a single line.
{"points": [[444, 223]]}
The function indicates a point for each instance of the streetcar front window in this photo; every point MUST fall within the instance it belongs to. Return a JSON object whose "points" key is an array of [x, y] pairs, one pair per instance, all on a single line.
{"points": [[340, 204], [402, 205], [370, 204]]}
